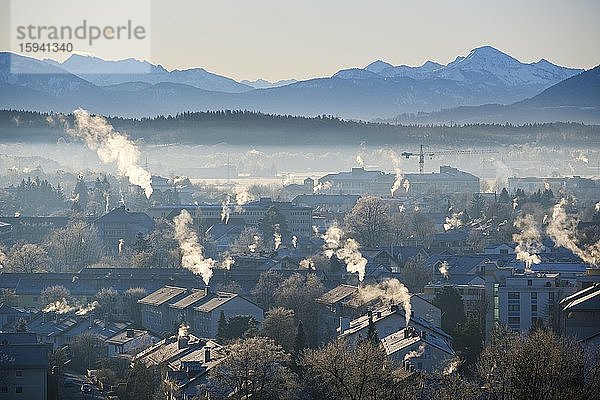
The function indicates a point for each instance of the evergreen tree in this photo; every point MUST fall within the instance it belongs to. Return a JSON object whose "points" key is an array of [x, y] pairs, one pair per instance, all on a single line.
{"points": [[222, 327], [372, 331], [300, 339], [504, 197]]}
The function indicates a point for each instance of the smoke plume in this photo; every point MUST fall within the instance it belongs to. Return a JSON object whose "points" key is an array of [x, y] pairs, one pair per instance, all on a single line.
{"points": [[389, 291], [225, 210], [346, 250], [277, 237], [112, 147], [415, 353], [59, 307], [227, 263], [184, 330], [360, 161], [87, 309], [444, 269], [561, 229], [453, 222], [528, 241], [307, 263], [452, 366], [322, 187], [295, 241], [254, 245], [192, 252]]}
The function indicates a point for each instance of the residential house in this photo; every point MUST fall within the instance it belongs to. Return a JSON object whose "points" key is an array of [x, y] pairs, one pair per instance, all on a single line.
{"points": [[427, 351], [122, 226], [581, 314], [129, 342], [188, 359], [156, 311], [24, 367], [206, 315]]}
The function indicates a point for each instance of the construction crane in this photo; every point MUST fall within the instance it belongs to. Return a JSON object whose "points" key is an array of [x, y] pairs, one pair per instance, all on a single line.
{"points": [[422, 154]]}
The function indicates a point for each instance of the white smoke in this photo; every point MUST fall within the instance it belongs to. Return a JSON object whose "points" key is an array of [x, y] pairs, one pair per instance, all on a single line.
{"points": [[598, 206], [59, 307], [415, 353], [184, 330], [295, 241], [389, 291], [227, 263], [121, 242], [277, 237], [528, 241], [107, 202], [452, 366], [561, 229], [444, 269], [401, 208], [192, 252], [453, 222], [225, 210], [583, 158], [406, 185], [515, 204], [307, 263], [2, 258], [360, 161], [254, 245], [242, 197], [397, 182], [346, 250], [87, 309], [322, 187], [112, 147]]}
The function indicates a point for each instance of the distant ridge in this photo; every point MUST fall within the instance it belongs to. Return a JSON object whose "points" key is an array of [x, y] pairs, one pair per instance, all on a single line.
{"points": [[380, 90]]}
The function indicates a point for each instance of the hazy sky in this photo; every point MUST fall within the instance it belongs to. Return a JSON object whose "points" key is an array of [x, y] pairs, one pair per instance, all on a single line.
{"points": [[277, 39]]}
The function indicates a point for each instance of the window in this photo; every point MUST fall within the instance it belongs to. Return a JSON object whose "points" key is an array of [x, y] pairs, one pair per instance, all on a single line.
{"points": [[513, 295], [514, 320], [19, 389], [18, 373], [4, 389], [513, 307], [533, 295], [529, 282], [534, 307]]}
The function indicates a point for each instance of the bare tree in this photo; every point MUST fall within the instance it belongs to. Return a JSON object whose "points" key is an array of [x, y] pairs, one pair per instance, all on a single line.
{"points": [[253, 368], [53, 294], [369, 222], [28, 258], [362, 372], [541, 365], [250, 240], [280, 326], [74, 247]]}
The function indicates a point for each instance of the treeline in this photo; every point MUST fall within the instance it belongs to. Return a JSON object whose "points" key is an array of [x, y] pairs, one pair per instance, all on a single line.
{"points": [[242, 127]]}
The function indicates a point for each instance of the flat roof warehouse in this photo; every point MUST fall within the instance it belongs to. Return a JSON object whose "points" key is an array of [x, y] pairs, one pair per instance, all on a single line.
{"points": [[82, 32]]}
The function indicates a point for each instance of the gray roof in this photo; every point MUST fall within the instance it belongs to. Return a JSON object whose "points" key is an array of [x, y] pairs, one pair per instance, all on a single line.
{"points": [[215, 302], [162, 295], [337, 294], [196, 296], [397, 341]]}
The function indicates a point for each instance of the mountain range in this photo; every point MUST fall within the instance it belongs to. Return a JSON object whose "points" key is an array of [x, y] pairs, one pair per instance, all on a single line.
{"points": [[379, 90]]}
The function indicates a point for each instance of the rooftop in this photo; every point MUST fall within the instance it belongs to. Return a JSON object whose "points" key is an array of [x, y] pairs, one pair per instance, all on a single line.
{"points": [[162, 295]]}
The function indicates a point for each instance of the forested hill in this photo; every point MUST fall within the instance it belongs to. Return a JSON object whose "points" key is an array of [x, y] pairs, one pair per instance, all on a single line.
{"points": [[248, 128]]}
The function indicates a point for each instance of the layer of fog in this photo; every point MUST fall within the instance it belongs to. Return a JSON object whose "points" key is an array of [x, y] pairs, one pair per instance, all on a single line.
{"points": [[292, 165]]}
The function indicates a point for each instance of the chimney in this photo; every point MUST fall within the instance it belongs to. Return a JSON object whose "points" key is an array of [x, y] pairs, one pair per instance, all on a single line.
{"points": [[344, 324], [406, 365], [423, 335], [394, 308], [406, 333], [207, 354], [182, 342], [378, 314], [130, 333]]}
